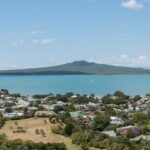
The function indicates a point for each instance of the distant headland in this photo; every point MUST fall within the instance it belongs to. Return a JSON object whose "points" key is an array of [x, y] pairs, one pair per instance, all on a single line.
{"points": [[78, 68]]}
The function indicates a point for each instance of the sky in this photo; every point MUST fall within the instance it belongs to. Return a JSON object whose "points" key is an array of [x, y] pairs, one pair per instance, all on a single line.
{"points": [[37, 33]]}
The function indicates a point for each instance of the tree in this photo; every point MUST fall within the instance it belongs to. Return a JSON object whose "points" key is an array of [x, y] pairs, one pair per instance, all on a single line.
{"points": [[69, 129], [139, 118], [65, 117], [145, 129], [119, 94], [69, 94], [5, 91], [101, 121], [88, 137], [58, 108], [2, 121], [25, 111], [137, 97], [84, 147], [16, 95], [117, 146], [8, 110]]}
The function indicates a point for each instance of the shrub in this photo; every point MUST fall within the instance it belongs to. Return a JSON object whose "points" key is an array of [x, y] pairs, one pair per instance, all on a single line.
{"points": [[84, 147], [68, 130], [37, 131], [58, 130]]}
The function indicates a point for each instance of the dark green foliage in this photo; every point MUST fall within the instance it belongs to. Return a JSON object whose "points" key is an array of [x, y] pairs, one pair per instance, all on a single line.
{"points": [[65, 118], [38, 96], [58, 108], [4, 91], [68, 130], [137, 97], [69, 94], [28, 145], [120, 98], [84, 147], [58, 130], [63, 98], [101, 121], [140, 118], [8, 110], [9, 104], [119, 94], [87, 137], [15, 95], [81, 99]]}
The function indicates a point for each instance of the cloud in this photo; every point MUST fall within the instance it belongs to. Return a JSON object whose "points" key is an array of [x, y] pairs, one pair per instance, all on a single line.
{"points": [[123, 57], [6, 66], [43, 41], [89, 0], [125, 60], [38, 32], [17, 42], [131, 48], [132, 4]]}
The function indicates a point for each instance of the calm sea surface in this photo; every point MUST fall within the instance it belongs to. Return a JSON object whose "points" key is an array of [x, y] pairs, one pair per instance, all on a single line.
{"points": [[84, 84]]}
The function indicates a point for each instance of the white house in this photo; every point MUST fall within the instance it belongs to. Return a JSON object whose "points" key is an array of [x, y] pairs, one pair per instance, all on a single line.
{"points": [[13, 114], [44, 113], [110, 133], [116, 121]]}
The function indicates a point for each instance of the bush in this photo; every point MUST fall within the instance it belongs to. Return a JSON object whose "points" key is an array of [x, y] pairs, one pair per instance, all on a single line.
{"points": [[58, 130], [87, 137], [37, 131], [68, 130], [8, 110], [84, 147], [2, 121], [29, 145], [101, 121]]}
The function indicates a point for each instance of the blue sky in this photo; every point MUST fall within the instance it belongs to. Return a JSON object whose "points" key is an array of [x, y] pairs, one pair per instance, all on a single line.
{"points": [[35, 33]]}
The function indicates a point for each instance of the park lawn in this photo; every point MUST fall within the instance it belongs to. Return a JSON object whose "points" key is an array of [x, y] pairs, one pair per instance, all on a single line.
{"points": [[30, 125]]}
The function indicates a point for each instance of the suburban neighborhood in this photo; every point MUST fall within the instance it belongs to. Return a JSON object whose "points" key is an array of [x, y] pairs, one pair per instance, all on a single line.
{"points": [[111, 116]]}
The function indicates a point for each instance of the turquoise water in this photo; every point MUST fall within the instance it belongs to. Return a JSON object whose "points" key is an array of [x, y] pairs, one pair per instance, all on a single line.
{"points": [[84, 84]]}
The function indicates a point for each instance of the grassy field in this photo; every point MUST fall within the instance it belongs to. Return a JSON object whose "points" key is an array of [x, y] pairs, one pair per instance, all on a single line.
{"points": [[30, 126]]}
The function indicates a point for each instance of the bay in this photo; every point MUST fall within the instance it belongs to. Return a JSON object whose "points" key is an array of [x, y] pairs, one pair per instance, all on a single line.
{"points": [[83, 84]]}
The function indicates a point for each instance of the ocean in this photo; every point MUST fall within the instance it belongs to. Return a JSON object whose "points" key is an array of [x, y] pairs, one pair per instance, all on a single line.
{"points": [[82, 84]]}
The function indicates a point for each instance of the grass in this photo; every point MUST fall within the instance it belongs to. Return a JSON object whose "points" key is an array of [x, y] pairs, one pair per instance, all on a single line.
{"points": [[30, 126]]}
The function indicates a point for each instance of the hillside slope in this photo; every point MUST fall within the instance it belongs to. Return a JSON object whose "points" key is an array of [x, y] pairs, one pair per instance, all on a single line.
{"points": [[77, 68]]}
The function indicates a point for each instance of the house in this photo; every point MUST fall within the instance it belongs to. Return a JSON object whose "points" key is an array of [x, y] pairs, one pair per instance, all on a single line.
{"points": [[44, 113], [30, 99], [9, 98], [32, 108], [22, 104], [13, 114], [89, 116], [60, 103], [77, 114], [91, 106], [116, 121], [124, 130], [2, 110], [144, 107], [130, 107], [48, 107], [137, 108], [80, 106], [2, 104], [74, 96], [110, 133], [145, 137]]}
